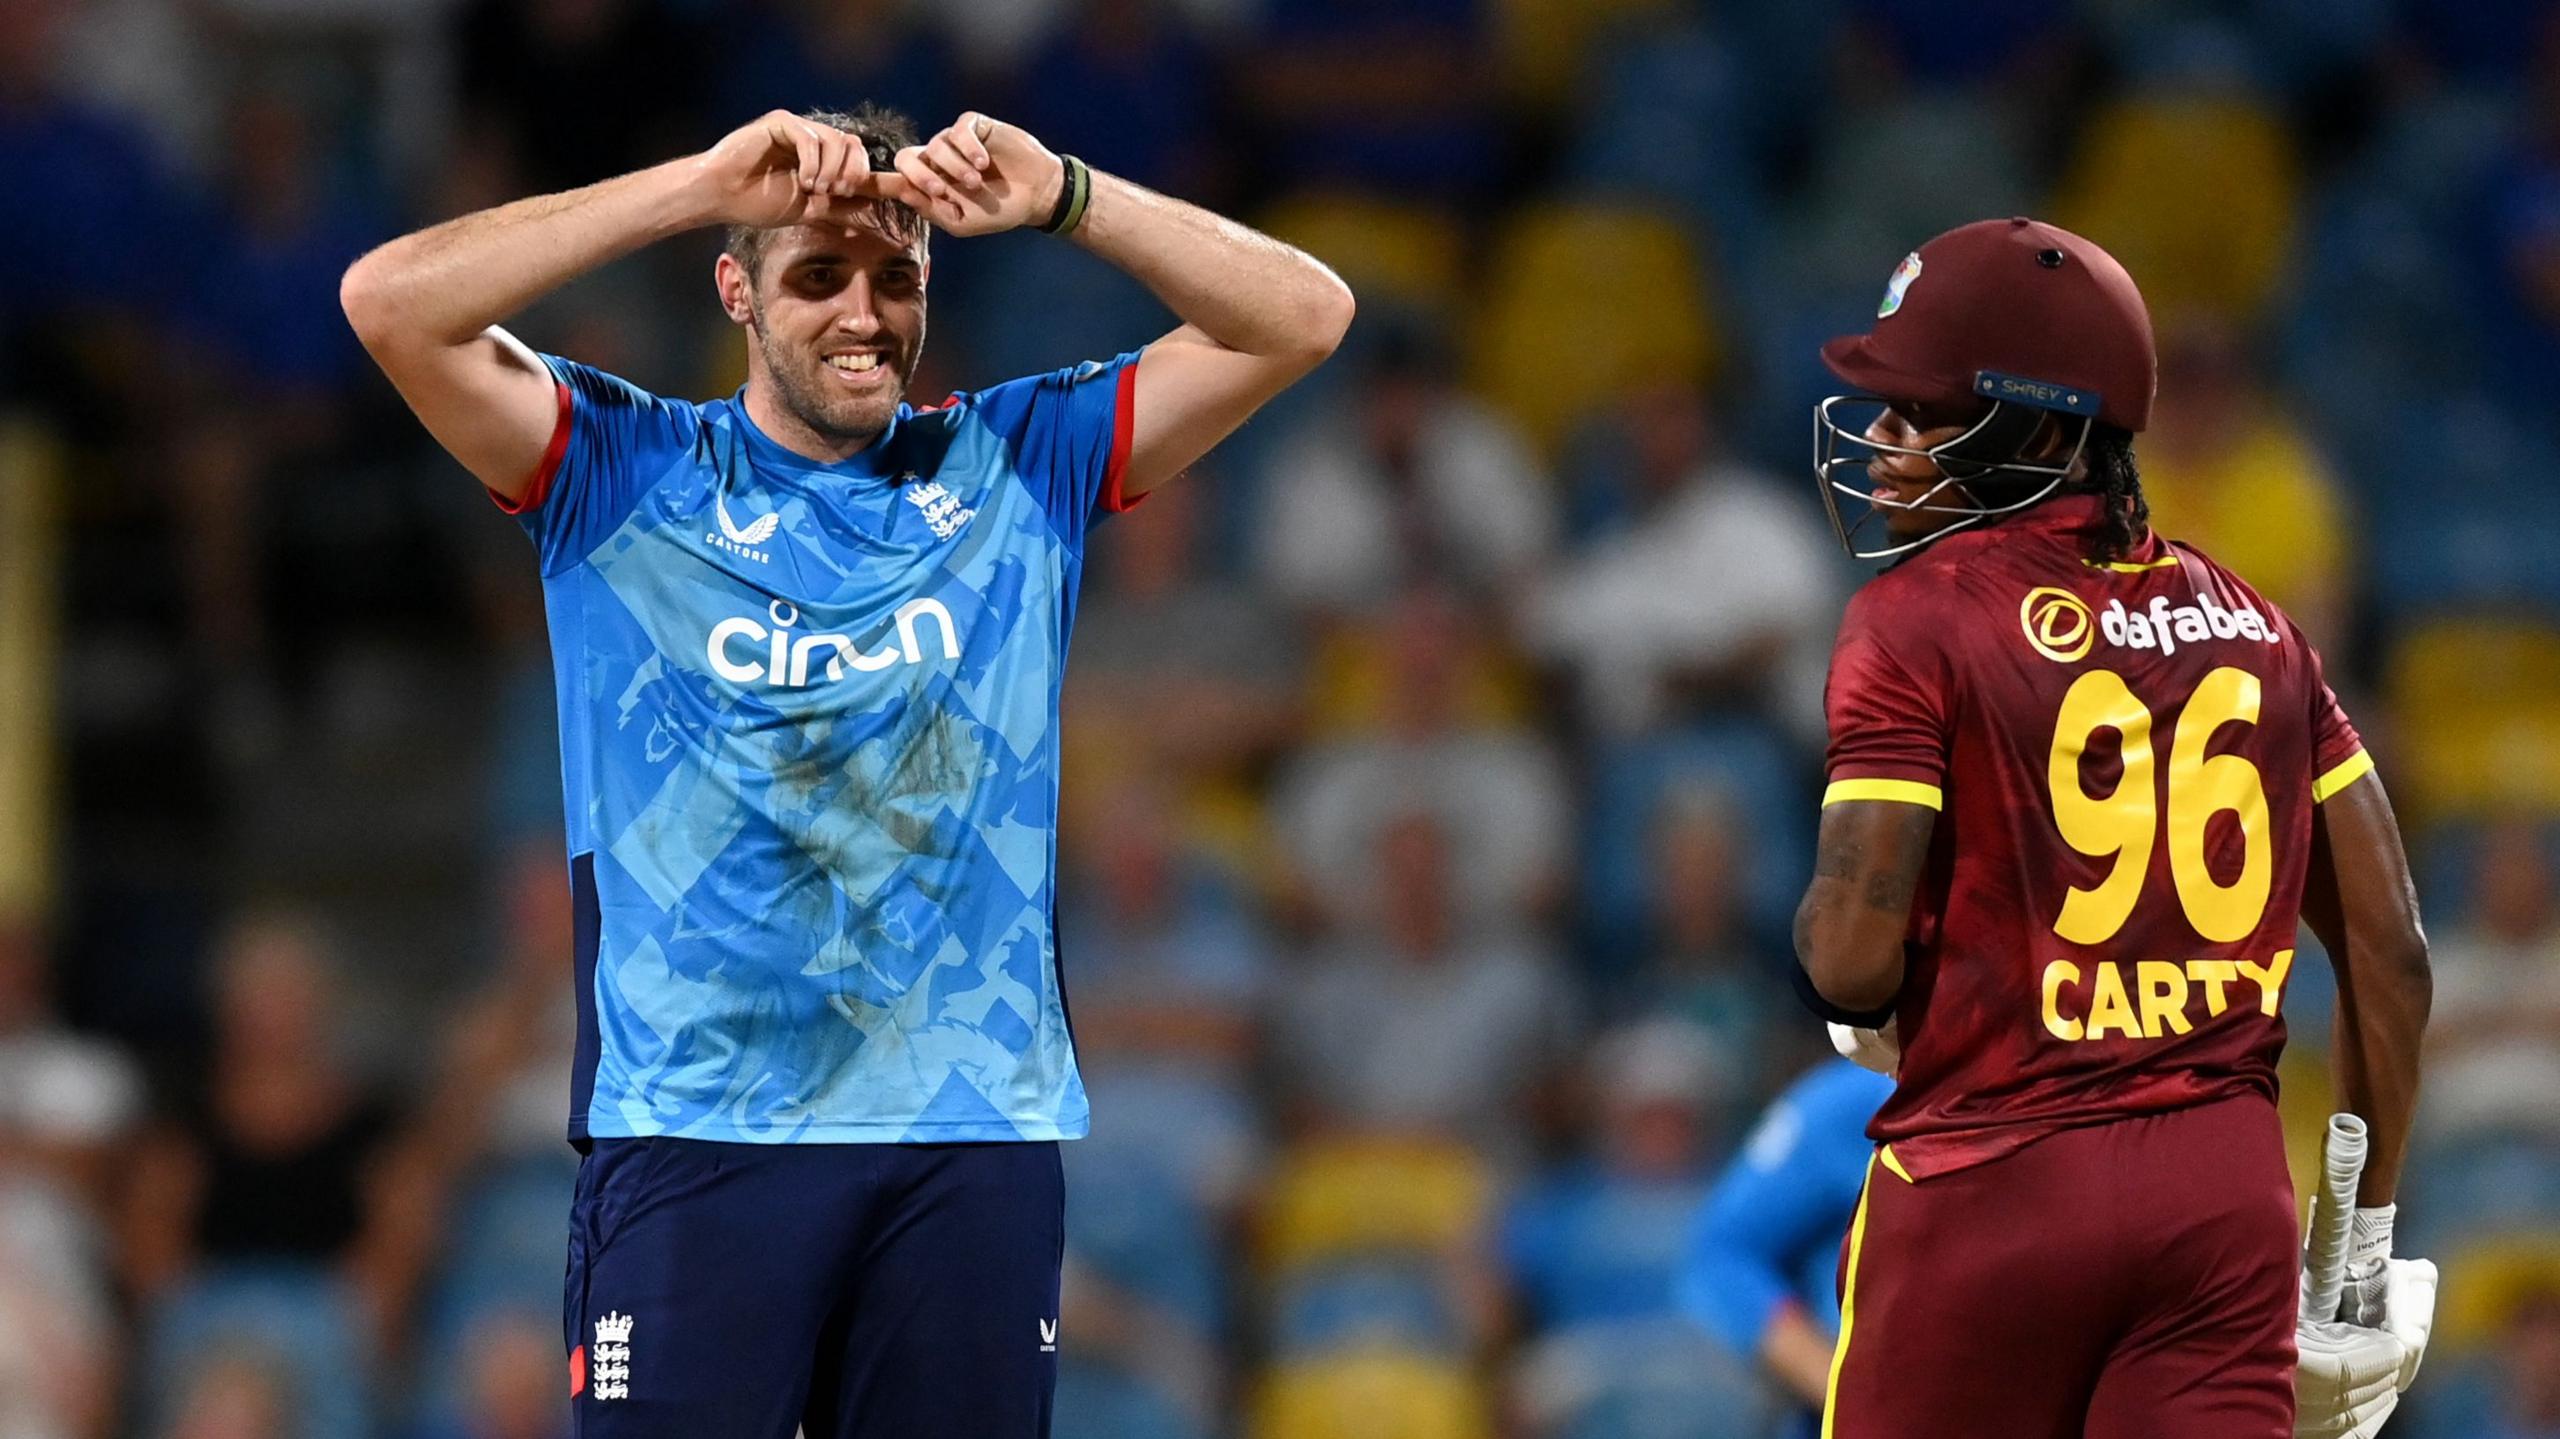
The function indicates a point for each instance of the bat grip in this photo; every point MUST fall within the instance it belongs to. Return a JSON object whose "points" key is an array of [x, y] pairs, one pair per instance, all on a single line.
{"points": [[2333, 1211]]}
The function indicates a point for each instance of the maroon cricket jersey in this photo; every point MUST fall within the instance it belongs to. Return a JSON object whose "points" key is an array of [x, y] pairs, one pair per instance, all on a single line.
{"points": [[2124, 758]]}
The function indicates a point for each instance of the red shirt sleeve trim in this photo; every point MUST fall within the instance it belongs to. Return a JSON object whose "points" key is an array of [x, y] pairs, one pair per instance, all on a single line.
{"points": [[540, 489], [1124, 420]]}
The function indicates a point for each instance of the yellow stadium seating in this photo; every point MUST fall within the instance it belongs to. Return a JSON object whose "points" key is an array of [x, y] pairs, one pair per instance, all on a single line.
{"points": [[1377, 1394], [2476, 709], [1352, 1196], [1583, 301], [1545, 42], [2196, 195], [1402, 252], [2483, 1284]]}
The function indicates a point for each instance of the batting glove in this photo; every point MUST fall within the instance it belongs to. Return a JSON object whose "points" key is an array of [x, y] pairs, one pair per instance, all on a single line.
{"points": [[1876, 1049], [2351, 1375]]}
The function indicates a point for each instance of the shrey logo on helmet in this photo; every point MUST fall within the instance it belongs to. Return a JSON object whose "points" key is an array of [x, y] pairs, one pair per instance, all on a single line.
{"points": [[2059, 625]]}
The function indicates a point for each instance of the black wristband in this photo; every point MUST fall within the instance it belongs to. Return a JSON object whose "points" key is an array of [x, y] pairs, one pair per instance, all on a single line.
{"points": [[1830, 1013], [1075, 191]]}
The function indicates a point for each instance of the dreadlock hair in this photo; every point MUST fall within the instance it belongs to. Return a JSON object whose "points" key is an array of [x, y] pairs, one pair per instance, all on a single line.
{"points": [[2117, 481], [883, 132]]}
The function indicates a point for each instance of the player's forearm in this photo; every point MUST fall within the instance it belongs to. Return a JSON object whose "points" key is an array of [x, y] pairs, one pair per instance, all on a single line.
{"points": [[2358, 898], [447, 284], [1241, 288], [2381, 1026]]}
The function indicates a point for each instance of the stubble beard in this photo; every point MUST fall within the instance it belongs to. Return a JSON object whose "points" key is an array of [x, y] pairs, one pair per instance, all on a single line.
{"points": [[805, 393]]}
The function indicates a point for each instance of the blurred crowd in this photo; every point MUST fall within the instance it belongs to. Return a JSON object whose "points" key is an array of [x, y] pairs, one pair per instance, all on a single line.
{"points": [[1443, 753]]}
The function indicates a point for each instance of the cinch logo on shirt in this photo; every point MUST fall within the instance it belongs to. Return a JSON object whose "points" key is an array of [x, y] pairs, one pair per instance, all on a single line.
{"points": [[2163, 627], [784, 660]]}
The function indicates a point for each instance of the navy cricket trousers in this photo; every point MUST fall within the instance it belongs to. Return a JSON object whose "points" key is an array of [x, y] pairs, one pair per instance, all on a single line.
{"points": [[857, 1291]]}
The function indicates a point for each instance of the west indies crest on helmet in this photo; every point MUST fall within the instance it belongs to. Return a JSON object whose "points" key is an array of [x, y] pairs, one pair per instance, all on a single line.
{"points": [[2020, 320]]}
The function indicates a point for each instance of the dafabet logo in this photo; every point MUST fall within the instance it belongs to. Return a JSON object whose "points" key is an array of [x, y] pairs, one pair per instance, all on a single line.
{"points": [[2057, 623]]}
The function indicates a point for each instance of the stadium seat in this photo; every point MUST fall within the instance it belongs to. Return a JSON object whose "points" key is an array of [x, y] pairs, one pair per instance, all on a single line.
{"points": [[1650, 1379], [1384, 250], [1403, 1301], [1584, 300], [2476, 709], [1353, 1197], [1378, 1394], [2196, 194], [1095, 1402], [2483, 1283]]}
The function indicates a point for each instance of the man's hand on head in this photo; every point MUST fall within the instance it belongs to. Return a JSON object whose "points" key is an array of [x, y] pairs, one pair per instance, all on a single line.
{"points": [[786, 169], [979, 176]]}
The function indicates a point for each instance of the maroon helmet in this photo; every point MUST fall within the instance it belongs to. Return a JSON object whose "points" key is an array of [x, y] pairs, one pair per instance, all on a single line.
{"points": [[2026, 316]]}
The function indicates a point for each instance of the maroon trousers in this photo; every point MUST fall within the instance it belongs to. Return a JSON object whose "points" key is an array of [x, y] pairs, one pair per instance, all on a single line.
{"points": [[2132, 1280]]}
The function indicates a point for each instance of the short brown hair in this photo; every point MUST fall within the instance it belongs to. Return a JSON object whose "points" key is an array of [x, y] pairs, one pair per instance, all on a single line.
{"points": [[883, 132]]}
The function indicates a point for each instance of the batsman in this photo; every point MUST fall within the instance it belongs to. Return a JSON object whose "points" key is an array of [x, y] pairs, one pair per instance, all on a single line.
{"points": [[2084, 784]]}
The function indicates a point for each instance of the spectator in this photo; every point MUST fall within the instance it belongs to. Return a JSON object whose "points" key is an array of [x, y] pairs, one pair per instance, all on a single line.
{"points": [[67, 1107], [280, 1157], [58, 1347], [1497, 797], [514, 1383], [68, 1103], [98, 228], [1718, 591], [270, 293], [1424, 481], [2530, 1360], [1431, 1024], [1601, 1238], [1704, 970], [1176, 662], [1170, 975], [2228, 472], [239, 1394], [2493, 1042]]}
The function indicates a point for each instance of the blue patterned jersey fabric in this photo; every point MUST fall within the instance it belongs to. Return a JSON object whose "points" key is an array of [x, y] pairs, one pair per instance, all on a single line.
{"points": [[809, 743]]}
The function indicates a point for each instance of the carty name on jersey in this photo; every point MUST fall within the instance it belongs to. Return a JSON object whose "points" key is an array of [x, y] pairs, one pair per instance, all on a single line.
{"points": [[2096, 1001]]}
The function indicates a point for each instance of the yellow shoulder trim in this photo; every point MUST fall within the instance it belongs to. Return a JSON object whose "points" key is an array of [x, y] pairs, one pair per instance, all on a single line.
{"points": [[1886, 1155], [1908, 791], [1848, 1306], [2349, 770], [2128, 567]]}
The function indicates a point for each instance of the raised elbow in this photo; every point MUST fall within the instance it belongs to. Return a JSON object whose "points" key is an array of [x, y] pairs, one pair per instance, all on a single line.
{"points": [[1327, 321], [360, 300]]}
